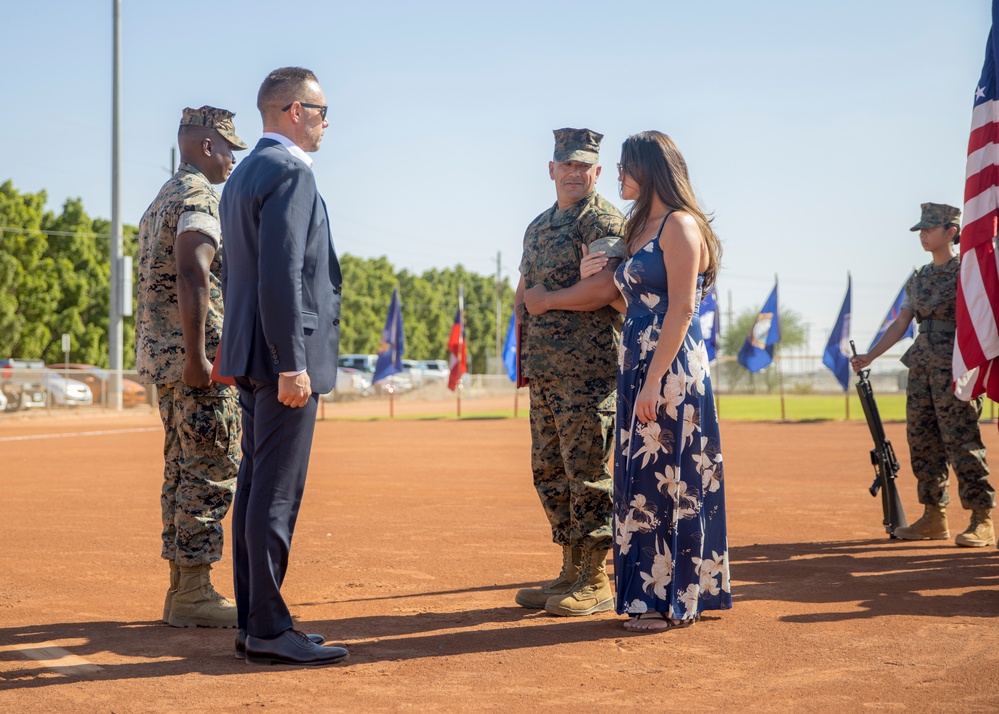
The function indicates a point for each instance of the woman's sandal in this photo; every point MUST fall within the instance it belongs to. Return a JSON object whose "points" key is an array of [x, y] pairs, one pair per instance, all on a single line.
{"points": [[656, 622]]}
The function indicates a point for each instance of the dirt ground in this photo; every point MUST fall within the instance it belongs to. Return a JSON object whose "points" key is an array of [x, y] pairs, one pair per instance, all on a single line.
{"points": [[414, 537]]}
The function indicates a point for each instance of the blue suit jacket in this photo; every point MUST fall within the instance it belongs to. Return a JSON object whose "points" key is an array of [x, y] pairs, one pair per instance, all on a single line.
{"points": [[280, 274]]}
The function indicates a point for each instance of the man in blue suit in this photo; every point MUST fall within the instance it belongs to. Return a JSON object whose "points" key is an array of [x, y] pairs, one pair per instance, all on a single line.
{"points": [[281, 289]]}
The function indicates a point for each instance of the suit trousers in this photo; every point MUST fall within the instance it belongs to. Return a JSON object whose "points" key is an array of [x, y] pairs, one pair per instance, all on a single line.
{"points": [[276, 443]]}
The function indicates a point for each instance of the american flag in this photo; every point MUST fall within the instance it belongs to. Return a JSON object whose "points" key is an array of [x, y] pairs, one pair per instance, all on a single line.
{"points": [[977, 345]]}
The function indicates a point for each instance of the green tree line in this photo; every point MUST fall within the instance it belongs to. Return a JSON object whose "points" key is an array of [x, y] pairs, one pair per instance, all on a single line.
{"points": [[55, 275]]}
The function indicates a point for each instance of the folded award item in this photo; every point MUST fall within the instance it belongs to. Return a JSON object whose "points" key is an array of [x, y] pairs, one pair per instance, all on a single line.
{"points": [[522, 381]]}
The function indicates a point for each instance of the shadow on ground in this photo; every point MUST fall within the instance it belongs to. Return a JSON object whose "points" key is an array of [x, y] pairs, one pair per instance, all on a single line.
{"points": [[878, 578], [883, 578]]}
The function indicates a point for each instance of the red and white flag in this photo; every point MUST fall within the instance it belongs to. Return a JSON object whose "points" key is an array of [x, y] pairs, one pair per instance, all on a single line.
{"points": [[456, 345], [977, 345]]}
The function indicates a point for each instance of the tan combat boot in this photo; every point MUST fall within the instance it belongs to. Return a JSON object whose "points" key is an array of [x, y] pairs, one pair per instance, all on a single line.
{"points": [[174, 579], [591, 593], [980, 532], [537, 597], [932, 525], [197, 604]]}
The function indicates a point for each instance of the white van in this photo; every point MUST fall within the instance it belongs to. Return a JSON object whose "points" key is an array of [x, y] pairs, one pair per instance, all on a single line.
{"points": [[435, 368], [363, 363]]}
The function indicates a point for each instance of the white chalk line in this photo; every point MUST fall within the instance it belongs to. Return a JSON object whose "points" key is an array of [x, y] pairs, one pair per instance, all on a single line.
{"points": [[57, 659], [80, 433]]}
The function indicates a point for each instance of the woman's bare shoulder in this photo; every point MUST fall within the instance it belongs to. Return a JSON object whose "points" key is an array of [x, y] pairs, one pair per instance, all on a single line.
{"points": [[681, 226]]}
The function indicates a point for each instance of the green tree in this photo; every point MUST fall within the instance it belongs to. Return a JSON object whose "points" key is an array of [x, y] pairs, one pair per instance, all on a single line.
{"points": [[429, 303], [32, 288], [480, 313], [736, 377], [22, 248], [367, 289], [101, 227], [54, 277]]}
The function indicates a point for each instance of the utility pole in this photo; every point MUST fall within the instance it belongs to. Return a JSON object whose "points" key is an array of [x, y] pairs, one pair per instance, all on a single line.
{"points": [[115, 341], [173, 160]]}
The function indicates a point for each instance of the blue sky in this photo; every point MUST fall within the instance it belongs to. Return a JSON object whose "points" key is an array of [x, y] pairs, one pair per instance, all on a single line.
{"points": [[813, 130]]}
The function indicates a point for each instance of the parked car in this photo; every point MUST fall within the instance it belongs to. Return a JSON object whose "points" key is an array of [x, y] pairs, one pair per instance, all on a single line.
{"points": [[435, 368], [414, 371], [66, 392], [133, 394], [364, 363], [350, 384], [23, 383], [394, 383]]}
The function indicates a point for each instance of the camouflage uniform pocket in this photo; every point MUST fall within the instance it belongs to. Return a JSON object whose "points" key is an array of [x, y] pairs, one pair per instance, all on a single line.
{"points": [[209, 424]]}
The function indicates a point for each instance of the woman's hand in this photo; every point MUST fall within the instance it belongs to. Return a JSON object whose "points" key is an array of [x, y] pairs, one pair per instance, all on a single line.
{"points": [[591, 264], [647, 402], [859, 362]]}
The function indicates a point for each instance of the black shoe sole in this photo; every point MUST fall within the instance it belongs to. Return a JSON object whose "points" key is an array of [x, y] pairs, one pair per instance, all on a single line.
{"points": [[252, 659]]}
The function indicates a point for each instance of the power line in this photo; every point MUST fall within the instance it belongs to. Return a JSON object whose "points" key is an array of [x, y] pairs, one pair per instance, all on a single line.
{"points": [[71, 234]]}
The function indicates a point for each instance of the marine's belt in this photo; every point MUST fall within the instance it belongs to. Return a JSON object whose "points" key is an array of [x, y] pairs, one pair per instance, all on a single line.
{"points": [[937, 326]]}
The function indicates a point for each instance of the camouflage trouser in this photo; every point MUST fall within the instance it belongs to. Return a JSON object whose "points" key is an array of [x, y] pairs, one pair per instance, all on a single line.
{"points": [[943, 430], [572, 432], [201, 456]]}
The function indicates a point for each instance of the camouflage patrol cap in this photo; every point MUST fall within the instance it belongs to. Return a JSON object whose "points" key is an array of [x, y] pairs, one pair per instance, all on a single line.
{"points": [[214, 118], [937, 214], [577, 145]]}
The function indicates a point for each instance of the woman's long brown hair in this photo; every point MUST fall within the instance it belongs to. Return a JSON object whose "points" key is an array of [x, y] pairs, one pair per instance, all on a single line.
{"points": [[657, 166]]}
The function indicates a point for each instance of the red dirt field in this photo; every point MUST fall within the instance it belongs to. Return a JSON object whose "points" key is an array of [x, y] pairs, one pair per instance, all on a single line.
{"points": [[414, 536]]}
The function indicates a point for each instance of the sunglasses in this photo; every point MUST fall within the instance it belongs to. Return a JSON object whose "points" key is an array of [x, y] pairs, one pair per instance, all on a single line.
{"points": [[323, 108]]}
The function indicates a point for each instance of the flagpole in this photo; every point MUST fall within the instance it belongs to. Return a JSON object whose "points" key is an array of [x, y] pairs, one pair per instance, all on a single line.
{"points": [[777, 357], [718, 325], [390, 351], [780, 380], [461, 342], [718, 385], [849, 291]]}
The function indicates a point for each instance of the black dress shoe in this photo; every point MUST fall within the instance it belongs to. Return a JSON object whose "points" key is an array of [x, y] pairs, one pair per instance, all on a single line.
{"points": [[241, 642], [291, 647]]}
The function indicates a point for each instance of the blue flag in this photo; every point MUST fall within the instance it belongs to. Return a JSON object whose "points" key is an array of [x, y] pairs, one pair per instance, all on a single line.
{"points": [[837, 354], [758, 350], [510, 348], [896, 308], [709, 322], [392, 348]]}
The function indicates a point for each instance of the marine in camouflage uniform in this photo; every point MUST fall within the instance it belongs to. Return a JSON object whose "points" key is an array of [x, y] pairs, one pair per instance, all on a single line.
{"points": [[569, 355], [201, 423], [942, 430]]}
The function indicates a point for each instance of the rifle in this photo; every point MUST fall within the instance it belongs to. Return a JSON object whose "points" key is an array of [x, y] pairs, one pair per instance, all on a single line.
{"points": [[882, 456]]}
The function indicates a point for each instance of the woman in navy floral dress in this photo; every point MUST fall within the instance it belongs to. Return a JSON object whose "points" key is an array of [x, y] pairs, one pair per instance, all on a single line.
{"points": [[670, 539]]}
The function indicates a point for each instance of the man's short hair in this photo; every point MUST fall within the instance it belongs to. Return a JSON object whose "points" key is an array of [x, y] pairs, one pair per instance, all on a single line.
{"points": [[284, 86]]}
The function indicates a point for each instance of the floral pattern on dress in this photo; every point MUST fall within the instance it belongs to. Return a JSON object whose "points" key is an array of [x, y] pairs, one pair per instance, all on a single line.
{"points": [[670, 538]]}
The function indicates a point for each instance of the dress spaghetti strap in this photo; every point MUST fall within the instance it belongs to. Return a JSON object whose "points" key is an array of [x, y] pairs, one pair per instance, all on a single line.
{"points": [[663, 224]]}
